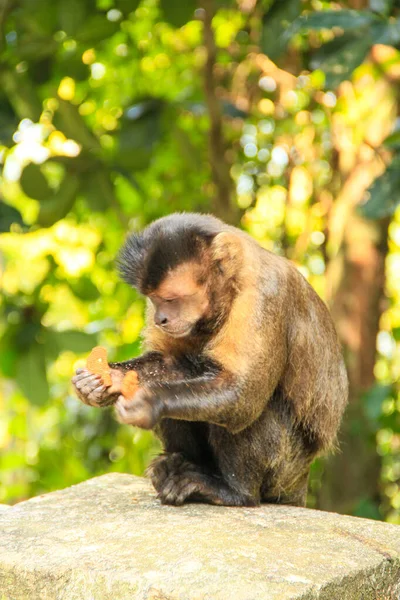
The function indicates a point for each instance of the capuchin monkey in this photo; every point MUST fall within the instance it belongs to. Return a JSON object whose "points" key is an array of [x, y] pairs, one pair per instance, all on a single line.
{"points": [[243, 379]]}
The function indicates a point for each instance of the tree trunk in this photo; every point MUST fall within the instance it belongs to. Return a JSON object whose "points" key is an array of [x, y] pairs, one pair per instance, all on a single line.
{"points": [[223, 205], [352, 475]]}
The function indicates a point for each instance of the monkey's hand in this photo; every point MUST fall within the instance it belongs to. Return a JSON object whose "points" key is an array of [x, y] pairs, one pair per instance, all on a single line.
{"points": [[142, 410], [91, 389]]}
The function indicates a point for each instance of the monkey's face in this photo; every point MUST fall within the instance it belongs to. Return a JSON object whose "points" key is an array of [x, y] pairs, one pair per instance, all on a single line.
{"points": [[181, 300]]}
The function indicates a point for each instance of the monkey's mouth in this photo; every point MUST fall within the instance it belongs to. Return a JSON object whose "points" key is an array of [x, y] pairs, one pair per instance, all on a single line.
{"points": [[178, 333]]}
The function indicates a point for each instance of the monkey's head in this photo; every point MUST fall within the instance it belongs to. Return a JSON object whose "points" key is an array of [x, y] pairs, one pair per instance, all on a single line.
{"points": [[186, 264]]}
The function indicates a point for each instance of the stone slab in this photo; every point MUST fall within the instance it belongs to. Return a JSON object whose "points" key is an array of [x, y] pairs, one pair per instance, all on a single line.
{"points": [[110, 539]]}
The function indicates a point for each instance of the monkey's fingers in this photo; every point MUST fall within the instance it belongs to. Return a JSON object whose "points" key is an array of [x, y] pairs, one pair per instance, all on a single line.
{"points": [[91, 390], [88, 387]]}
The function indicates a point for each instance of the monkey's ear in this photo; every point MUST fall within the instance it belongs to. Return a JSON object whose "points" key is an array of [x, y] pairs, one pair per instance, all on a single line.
{"points": [[227, 250]]}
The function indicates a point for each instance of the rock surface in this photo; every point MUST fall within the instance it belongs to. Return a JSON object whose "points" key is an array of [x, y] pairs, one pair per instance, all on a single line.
{"points": [[110, 539]]}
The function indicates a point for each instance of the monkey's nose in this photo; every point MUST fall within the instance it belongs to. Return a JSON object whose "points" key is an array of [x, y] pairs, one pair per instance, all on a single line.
{"points": [[160, 319]]}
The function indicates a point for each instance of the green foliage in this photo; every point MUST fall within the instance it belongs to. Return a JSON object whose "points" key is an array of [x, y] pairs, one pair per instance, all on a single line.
{"points": [[176, 12], [383, 195], [276, 21], [8, 217], [359, 31], [31, 375], [104, 126], [34, 183]]}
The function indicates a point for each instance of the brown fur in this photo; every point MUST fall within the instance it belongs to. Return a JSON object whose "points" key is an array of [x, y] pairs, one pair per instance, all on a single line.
{"points": [[245, 402]]}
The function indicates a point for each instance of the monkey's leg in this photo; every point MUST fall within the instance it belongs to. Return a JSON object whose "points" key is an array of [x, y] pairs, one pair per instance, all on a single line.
{"points": [[267, 459], [187, 469], [183, 441], [187, 481], [279, 489]]}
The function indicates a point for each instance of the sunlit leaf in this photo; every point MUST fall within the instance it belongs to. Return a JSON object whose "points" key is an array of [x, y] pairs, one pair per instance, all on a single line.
{"points": [[31, 375]]}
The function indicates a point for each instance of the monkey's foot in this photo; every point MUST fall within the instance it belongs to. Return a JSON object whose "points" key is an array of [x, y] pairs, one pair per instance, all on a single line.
{"points": [[165, 465], [177, 480]]}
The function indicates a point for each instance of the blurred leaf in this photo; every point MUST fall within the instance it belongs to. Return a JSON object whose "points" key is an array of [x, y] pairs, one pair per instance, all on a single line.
{"points": [[327, 19], [71, 123], [27, 335], [177, 12], [34, 183], [31, 375], [8, 216], [367, 509], [275, 24], [393, 141], [383, 194], [386, 32], [55, 208], [339, 57], [140, 130], [71, 340], [127, 6], [71, 15], [231, 110], [84, 288], [381, 6], [95, 29], [127, 351], [72, 66], [373, 400], [98, 189], [9, 356], [39, 17], [21, 93], [396, 334]]}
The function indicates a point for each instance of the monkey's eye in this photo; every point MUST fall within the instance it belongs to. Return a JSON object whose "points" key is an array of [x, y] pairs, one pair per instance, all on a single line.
{"points": [[169, 300]]}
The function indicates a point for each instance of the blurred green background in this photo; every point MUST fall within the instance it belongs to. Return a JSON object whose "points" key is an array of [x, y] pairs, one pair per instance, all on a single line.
{"points": [[280, 117]]}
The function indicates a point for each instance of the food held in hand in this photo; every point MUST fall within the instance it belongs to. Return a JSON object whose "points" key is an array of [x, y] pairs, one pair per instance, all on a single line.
{"points": [[130, 384], [97, 363]]}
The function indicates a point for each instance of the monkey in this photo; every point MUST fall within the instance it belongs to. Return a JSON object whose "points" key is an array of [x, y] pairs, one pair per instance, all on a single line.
{"points": [[242, 378]]}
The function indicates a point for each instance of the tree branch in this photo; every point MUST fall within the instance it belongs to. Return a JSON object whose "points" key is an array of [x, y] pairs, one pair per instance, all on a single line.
{"points": [[220, 168]]}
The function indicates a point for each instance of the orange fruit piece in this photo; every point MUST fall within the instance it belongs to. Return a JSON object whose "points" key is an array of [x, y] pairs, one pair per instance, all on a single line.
{"points": [[130, 384], [97, 363]]}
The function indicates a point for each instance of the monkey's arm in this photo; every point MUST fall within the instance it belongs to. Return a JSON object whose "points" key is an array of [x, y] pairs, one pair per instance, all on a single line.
{"points": [[150, 367], [213, 397]]}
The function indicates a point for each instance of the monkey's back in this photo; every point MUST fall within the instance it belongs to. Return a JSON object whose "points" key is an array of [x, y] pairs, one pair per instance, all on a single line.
{"points": [[313, 380]]}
